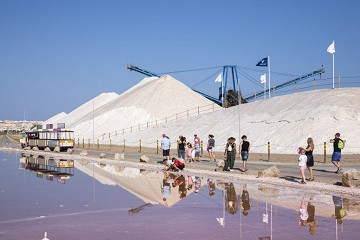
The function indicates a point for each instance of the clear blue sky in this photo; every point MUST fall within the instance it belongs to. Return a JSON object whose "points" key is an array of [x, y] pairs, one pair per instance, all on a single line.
{"points": [[57, 54]]}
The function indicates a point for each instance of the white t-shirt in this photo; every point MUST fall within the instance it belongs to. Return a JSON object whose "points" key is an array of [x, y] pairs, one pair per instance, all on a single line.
{"points": [[302, 160]]}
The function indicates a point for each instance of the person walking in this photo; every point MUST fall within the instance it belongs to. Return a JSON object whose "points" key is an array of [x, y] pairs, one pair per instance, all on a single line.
{"points": [[165, 145], [181, 148], [245, 201], [230, 152], [310, 158], [302, 164], [338, 144], [245, 149], [210, 148], [197, 148]]}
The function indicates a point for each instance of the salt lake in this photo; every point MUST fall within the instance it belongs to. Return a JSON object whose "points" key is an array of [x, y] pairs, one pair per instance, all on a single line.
{"points": [[84, 200]]}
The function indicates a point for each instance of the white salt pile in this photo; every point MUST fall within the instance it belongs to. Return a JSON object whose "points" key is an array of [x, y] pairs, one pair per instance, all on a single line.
{"points": [[285, 121]]}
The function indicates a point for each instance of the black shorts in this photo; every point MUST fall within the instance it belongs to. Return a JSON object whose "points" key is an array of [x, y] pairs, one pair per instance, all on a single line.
{"points": [[166, 153], [310, 161]]}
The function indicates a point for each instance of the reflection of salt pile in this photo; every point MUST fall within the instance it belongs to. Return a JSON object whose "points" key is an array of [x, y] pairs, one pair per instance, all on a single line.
{"points": [[146, 186], [284, 121]]}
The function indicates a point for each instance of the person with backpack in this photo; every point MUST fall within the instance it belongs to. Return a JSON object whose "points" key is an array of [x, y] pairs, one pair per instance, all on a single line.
{"points": [[338, 144], [230, 152]]}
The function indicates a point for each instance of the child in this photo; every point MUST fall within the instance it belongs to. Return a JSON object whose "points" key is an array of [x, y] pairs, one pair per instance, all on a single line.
{"points": [[189, 152], [302, 164]]}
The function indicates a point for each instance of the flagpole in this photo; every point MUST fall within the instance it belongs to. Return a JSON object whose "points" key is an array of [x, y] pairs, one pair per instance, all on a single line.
{"points": [[269, 74], [333, 70], [264, 90]]}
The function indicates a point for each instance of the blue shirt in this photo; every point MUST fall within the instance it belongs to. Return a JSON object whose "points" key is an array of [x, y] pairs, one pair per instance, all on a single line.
{"points": [[165, 143]]}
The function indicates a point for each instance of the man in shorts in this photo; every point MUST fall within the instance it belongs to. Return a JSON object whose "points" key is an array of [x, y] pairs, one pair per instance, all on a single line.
{"points": [[336, 156], [245, 149], [165, 145]]}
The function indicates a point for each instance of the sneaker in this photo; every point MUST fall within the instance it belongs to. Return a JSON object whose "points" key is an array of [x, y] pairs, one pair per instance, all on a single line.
{"points": [[303, 182], [231, 170], [337, 171]]}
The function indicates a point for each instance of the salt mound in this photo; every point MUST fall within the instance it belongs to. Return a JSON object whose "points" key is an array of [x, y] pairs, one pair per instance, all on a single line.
{"points": [[57, 118], [152, 98], [285, 121], [76, 115]]}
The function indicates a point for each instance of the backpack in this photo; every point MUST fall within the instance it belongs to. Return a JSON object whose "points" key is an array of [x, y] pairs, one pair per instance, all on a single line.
{"points": [[341, 144]]}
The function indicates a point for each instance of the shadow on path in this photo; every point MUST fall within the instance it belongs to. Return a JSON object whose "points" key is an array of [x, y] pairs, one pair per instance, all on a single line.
{"points": [[291, 179]]}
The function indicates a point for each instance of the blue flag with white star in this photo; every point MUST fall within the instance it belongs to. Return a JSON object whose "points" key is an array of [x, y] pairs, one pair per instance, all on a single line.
{"points": [[263, 62]]}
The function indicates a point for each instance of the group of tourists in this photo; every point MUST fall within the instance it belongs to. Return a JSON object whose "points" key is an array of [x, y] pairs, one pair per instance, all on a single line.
{"points": [[192, 151], [306, 158]]}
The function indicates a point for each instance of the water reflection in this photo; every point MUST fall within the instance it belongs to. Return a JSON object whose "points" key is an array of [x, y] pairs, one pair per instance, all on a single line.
{"points": [[51, 168], [133, 203]]}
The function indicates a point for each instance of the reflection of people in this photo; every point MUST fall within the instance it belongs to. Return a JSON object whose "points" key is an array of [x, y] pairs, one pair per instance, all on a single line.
{"points": [[190, 182], [166, 187], [180, 181], [210, 147], [340, 212], [245, 201], [245, 149], [197, 184], [303, 213], [336, 156], [311, 218], [310, 158], [211, 186], [230, 152], [231, 201]]}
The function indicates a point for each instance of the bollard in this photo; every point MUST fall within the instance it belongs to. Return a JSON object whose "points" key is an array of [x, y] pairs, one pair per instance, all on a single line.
{"points": [[78, 142], [268, 151], [124, 146], [88, 143], [83, 143], [157, 146], [98, 143], [324, 152], [201, 147], [140, 146]]}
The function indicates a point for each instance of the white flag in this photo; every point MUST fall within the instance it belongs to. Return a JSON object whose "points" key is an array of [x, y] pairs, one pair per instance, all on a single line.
{"points": [[263, 78], [219, 78], [331, 48]]}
